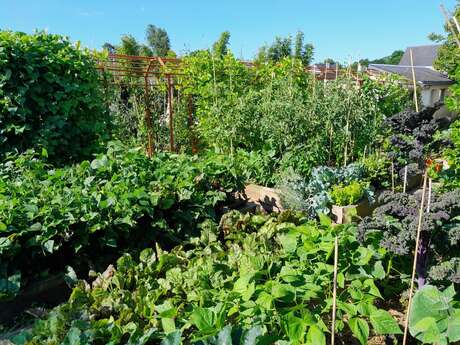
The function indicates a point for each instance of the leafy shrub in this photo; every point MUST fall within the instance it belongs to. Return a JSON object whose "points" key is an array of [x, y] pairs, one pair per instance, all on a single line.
{"points": [[120, 200], [350, 194], [435, 316], [50, 96], [377, 170], [258, 166], [451, 177], [269, 278], [390, 97]]}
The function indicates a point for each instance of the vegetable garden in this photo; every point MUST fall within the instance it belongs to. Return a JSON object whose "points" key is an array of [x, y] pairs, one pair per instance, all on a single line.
{"points": [[159, 246]]}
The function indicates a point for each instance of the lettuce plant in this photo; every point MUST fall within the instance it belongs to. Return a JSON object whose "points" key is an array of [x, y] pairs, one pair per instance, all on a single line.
{"points": [[350, 194]]}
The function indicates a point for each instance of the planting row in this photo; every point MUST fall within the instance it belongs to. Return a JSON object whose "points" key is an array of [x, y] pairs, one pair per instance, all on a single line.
{"points": [[121, 200]]}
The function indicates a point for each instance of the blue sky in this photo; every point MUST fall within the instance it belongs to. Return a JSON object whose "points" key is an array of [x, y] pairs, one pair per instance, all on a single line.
{"points": [[341, 30]]}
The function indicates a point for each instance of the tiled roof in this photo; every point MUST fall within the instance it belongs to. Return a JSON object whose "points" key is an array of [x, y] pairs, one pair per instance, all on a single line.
{"points": [[423, 75], [422, 55]]}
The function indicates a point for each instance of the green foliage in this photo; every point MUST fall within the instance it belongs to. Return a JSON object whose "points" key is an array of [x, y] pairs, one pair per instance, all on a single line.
{"points": [[270, 278], [451, 176], [129, 46], [392, 59], [281, 107], [435, 316], [343, 195], [303, 51], [157, 44], [283, 48], [120, 200], [158, 40], [448, 61], [50, 97], [258, 166], [377, 169], [387, 91], [453, 101], [448, 54], [220, 47]]}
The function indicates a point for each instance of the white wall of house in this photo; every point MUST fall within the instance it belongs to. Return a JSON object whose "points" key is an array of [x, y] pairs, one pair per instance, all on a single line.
{"points": [[432, 94]]}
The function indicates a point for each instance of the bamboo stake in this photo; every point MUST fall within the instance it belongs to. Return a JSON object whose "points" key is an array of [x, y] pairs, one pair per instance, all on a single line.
{"points": [[336, 70], [334, 291], [449, 24], [405, 179], [392, 177], [413, 80], [347, 126], [419, 227], [429, 196], [456, 23]]}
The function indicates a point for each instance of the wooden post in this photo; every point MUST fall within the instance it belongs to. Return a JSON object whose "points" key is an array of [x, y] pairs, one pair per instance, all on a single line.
{"points": [[148, 118], [413, 80], [148, 115], [170, 108], [417, 241], [334, 291], [190, 124]]}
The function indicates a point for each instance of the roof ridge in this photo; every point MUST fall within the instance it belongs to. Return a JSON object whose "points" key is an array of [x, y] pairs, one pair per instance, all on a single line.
{"points": [[424, 45]]}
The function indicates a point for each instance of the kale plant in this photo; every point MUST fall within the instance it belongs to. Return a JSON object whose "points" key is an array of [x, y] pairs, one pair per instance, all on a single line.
{"points": [[412, 135], [396, 221]]}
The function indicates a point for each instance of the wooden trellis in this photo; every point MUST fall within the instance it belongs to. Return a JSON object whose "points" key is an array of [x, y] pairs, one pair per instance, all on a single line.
{"points": [[146, 72]]}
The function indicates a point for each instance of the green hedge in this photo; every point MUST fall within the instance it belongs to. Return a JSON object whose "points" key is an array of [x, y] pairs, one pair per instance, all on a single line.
{"points": [[50, 96]]}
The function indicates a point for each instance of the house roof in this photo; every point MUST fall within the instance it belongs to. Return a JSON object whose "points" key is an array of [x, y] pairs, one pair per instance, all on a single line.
{"points": [[423, 75], [423, 60], [422, 55]]}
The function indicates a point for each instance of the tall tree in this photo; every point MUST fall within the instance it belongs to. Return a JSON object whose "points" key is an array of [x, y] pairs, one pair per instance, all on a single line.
{"points": [[109, 47], [220, 47], [158, 40], [283, 47], [128, 46], [302, 51]]}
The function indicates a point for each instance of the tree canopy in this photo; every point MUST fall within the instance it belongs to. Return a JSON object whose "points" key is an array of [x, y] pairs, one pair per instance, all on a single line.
{"points": [[158, 40], [284, 47]]}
